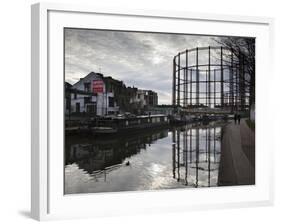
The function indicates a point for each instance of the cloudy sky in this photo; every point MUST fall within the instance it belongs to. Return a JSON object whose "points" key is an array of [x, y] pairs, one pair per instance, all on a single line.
{"points": [[143, 60]]}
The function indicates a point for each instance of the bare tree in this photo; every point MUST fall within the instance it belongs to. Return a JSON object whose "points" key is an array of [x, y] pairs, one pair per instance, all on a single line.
{"points": [[243, 49]]}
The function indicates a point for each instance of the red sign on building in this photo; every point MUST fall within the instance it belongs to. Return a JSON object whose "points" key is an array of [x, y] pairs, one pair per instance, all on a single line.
{"points": [[98, 86]]}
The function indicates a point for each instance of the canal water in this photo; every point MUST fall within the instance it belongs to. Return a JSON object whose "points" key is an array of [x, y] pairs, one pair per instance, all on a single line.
{"points": [[175, 157]]}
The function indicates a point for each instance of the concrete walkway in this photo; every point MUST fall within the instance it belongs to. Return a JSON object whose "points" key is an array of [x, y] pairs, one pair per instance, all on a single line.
{"points": [[237, 166]]}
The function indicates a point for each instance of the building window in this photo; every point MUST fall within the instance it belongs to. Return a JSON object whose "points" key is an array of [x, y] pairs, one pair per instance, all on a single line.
{"points": [[78, 107], [87, 86], [92, 108], [87, 99], [110, 101], [110, 89], [75, 95]]}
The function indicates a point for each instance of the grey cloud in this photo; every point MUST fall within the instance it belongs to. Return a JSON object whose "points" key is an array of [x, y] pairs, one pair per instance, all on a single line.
{"points": [[143, 60]]}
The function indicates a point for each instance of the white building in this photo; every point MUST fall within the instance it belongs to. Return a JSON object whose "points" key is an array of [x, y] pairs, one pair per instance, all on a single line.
{"points": [[90, 95]]}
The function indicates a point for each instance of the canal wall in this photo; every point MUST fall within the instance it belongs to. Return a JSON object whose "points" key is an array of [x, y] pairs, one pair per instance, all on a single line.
{"points": [[236, 166]]}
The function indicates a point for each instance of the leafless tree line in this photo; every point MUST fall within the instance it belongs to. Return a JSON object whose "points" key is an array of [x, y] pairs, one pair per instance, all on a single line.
{"points": [[243, 55]]}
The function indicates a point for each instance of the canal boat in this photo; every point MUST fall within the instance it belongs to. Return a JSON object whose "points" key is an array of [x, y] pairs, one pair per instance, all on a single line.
{"points": [[122, 124], [117, 124]]}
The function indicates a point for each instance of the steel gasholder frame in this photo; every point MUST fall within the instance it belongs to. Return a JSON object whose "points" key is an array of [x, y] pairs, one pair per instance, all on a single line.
{"points": [[218, 82]]}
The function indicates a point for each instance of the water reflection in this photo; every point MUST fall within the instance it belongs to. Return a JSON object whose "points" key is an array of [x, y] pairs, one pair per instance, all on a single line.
{"points": [[98, 154], [196, 155], [178, 157]]}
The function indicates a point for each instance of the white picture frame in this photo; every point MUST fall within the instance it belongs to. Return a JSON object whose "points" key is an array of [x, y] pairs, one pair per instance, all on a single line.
{"points": [[48, 201]]}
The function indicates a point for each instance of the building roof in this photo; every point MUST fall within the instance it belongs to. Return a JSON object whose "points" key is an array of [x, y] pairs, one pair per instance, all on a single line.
{"points": [[67, 85], [89, 77]]}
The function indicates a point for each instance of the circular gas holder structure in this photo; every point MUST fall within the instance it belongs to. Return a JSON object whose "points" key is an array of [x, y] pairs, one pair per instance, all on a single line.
{"points": [[211, 77]]}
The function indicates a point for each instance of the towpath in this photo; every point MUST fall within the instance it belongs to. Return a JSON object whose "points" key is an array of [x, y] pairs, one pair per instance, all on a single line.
{"points": [[237, 166]]}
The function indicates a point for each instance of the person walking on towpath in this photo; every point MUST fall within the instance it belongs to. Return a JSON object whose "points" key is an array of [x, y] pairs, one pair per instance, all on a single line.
{"points": [[238, 118], [235, 118]]}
